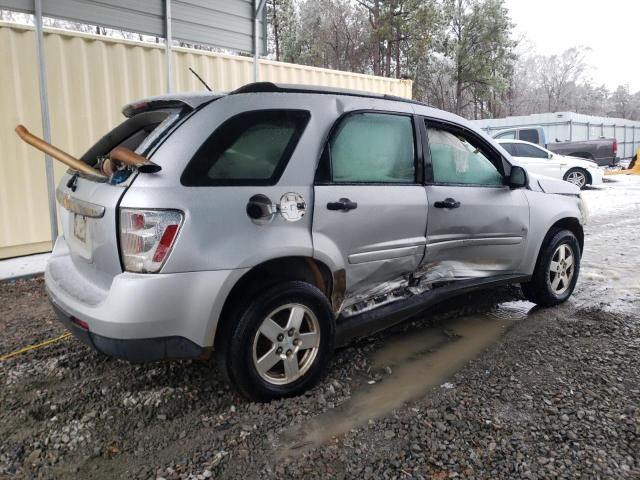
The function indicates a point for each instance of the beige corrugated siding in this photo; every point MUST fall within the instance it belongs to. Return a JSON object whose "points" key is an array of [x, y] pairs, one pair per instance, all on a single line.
{"points": [[90, 78]]}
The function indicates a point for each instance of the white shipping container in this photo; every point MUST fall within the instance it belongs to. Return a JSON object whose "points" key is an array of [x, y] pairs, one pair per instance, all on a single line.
{"points": [[89, 79]]}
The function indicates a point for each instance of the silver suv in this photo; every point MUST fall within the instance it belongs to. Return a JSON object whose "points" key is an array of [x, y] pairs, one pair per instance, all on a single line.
{"points": [[277, 222]]}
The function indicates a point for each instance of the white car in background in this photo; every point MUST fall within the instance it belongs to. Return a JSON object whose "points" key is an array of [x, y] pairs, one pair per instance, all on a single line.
{"points": [[541, 161]]}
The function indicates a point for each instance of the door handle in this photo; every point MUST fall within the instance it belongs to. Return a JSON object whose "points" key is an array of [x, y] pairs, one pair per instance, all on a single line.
{"points": [[447, 203], [343, 204]]}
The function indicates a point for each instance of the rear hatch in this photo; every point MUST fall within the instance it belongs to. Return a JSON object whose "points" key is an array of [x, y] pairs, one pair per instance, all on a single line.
{"points": [[89, 208]]}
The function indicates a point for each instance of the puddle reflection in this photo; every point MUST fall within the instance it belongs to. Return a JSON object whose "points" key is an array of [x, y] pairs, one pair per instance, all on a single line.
{"points": [[419, 360]]}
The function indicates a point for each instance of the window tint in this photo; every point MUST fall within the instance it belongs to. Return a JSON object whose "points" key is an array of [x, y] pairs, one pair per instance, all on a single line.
{"points": [[509, 147], [530, 151], [249, 149], [373, 147], [455, 160], [510, 135], [529, 135]]}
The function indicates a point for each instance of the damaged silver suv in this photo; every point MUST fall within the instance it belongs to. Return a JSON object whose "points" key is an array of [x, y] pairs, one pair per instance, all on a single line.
{"points": [[273, 223]]}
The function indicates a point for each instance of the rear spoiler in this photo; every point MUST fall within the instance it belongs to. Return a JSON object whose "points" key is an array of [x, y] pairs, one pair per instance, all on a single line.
{"points": [[185, 100]]}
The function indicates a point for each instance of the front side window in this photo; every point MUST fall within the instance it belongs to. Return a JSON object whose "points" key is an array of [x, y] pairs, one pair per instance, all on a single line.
{"points": [[251, 148], [373, 148], [530, 151], [456, 161], [510, 147]]}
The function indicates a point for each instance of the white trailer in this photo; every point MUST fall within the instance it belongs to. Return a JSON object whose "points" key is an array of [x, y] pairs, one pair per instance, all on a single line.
{"points": [[570, 126]]}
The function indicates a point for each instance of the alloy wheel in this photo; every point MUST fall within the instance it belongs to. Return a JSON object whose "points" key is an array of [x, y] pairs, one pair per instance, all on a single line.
{"points": [[286, 344], [577, 178], [561, 269]]}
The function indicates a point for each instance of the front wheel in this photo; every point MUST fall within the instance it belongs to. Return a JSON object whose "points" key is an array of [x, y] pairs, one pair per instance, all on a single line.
{"points": [[556, 271], [281, 343], [578, 177]]}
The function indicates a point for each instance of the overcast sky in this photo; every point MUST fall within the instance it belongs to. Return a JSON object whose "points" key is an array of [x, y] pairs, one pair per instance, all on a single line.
{"points": [[610, 27]]}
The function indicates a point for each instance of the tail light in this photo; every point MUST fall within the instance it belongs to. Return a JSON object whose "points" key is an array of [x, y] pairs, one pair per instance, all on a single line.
{"points": [[146, 238], [615, 148]]}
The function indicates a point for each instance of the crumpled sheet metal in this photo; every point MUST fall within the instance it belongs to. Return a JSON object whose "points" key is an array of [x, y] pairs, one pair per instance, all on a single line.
{"points": [[419, 282], [364, 281], [449, 270]]}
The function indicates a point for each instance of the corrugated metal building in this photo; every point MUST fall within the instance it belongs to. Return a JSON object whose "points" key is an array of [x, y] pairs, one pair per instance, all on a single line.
{"points": [[89, 79], [569, 126]]}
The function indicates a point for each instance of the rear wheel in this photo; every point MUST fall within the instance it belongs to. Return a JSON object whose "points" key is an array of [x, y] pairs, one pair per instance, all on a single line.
{"points": [[556, 271], [280, 343], [578, 176]]}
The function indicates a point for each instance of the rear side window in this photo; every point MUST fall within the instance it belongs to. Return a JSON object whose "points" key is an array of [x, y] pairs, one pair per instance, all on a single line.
{"points": [[373, 148], [251, 148], [529, 135]]}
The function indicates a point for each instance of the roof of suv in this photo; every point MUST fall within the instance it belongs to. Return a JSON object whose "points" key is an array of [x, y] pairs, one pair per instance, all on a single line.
{"points": [[194, 100], [269, 87]]}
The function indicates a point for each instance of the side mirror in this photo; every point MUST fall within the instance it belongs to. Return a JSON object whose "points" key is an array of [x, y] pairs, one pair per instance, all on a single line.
{"points": [[518, 177], [550, 156]]}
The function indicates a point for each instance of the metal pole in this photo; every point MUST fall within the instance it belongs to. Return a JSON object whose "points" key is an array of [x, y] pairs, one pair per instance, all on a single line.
{"points": [[46, 127], [256, 48], [570, 130], [167, 50]]}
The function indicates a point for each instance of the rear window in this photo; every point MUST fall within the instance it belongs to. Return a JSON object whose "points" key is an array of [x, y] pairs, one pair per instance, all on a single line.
{"points": [[138, 132], [529, 135], [251, 148]]}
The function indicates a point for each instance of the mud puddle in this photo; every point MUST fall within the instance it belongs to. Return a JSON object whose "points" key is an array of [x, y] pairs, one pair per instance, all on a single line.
{"points": [[419, 360]]}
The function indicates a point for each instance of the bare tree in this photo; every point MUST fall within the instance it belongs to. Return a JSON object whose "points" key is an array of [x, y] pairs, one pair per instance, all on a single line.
{"points": [[557, 72]]}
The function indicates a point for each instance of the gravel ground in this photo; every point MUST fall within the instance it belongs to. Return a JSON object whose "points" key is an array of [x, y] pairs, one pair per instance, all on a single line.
{"points": [[483, 387]]}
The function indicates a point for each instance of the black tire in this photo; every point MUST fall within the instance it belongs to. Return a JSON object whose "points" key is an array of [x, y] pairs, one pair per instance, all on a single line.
{"points": [[236, 353], [578, 171], [633, 161], [539, 289]]}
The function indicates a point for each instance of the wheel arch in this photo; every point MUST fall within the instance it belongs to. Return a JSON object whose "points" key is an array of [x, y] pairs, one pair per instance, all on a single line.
{"points": [[567, 223], [536, 290], [270, 272]]}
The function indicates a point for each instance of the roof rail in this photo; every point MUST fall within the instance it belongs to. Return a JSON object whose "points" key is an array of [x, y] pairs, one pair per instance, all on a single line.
{"points": [[270, 87]]}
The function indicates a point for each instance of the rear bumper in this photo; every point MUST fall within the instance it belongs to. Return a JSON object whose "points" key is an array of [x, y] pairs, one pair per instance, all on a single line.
{"points": [[139, 317], [607, 161], [133, 350]]}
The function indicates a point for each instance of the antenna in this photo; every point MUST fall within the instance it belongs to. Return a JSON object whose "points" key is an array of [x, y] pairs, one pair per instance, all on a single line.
{"points": [[200, 78]]}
